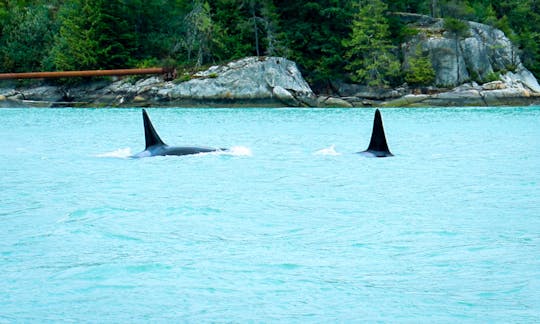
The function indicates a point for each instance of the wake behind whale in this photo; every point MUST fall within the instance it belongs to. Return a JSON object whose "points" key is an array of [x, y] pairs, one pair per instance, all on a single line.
{"points": [[154, 146]]}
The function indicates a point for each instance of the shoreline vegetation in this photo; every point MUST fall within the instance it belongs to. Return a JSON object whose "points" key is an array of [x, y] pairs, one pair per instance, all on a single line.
{"points": [[245, 53], [262, 82]]}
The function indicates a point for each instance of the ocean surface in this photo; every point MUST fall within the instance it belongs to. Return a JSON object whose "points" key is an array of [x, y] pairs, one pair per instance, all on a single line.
{"points": [[289, 226]]}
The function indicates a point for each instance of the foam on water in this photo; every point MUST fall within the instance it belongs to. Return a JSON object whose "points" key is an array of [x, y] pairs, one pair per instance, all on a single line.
{"points": [[122, 153], [237, 151], [447, 230], [328, 151]]}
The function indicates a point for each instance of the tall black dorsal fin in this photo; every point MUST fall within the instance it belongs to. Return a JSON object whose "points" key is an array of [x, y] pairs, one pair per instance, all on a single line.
{"points": [[150, 134], [378, 143]]}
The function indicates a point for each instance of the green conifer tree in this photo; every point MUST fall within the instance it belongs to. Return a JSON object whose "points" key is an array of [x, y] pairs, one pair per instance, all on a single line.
{"points": [[314, 31], [523, 18], [370, 51], [93, 35], [200, 33], [28, 34], [420, 71]]}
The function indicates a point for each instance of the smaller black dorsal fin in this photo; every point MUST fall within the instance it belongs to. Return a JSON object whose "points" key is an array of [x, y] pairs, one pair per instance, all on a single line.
{"points": [[151, 136], [378, 139]]}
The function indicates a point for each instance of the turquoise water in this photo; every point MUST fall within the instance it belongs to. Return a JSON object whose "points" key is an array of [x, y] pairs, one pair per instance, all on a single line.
{"points": [[291, 226]]}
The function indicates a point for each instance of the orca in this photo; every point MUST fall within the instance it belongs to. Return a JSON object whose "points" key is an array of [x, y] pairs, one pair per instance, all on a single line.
{"points": [[377, 146], [156, 147]]}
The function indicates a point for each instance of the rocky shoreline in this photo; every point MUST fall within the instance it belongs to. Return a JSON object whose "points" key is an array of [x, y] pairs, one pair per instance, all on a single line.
{"points": [[266, 82], [514, 89], [480, 69]]}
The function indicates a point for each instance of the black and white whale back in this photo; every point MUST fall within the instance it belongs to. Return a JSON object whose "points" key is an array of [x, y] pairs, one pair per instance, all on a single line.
{"points": [[155, 146]]}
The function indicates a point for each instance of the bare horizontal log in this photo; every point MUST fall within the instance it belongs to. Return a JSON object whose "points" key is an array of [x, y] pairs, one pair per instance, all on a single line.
{"points": [[168, 73]]}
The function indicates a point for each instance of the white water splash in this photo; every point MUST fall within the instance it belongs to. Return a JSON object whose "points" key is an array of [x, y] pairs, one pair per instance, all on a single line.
{"points": [[122, 153], [235, 151], [328, 151]]}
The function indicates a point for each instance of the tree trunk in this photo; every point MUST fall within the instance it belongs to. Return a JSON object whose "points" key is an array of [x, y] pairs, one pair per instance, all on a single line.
{"points": [[457, 60], [255, 28], [434, 13]]}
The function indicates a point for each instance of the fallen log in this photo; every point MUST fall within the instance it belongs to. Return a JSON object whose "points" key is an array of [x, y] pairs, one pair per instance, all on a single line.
{"points": [[168, 73]]}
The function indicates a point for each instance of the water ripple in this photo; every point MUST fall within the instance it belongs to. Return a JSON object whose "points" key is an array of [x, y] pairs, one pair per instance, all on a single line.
{"points": [[283, 230]]}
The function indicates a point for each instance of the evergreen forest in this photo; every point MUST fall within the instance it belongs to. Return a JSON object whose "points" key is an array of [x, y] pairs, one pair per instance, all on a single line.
{"points": [[329, 39]]}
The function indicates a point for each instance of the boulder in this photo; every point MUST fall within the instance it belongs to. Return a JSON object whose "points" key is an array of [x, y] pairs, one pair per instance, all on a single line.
{"points": [[333, 102], [408, 101], [457, 98], [494, 85], [284, 96], [506, 96], [270, 81], [8, 92], [520, 78], [361, 91], [139, 99], [10, 103], [43, 93], [249, 79]]}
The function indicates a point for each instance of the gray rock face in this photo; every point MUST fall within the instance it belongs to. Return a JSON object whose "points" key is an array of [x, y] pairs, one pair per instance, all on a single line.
{"points": [[494, 85], [333, 102], [448, 61], [270, 79], [496, 93], [464, 67], [361, 91], [284, 96], [521, 78], [456, 60], [48, 93]]}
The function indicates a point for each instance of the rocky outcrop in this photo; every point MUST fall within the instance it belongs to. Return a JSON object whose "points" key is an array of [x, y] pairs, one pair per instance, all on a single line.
{"points": [[249, 78], [482, 68], [481, 55], [357, 92], [270, 81], [496, 93], [264, 81], [479, 69]]}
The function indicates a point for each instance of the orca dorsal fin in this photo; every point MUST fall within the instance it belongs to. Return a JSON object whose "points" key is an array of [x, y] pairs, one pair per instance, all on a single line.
{"points": [[150, 135], [378, 139]]}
